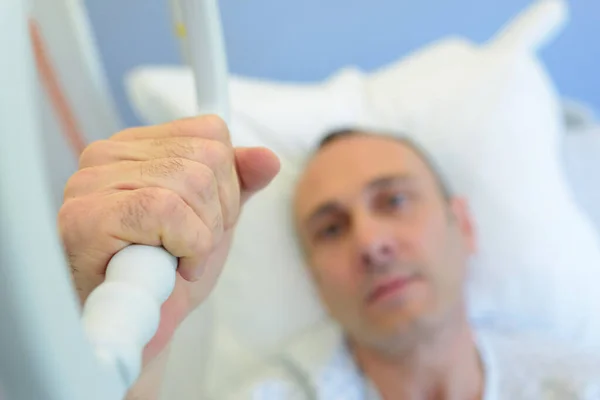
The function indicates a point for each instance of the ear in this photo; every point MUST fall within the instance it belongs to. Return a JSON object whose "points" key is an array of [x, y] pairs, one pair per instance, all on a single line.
{"points": [[462, 215]]}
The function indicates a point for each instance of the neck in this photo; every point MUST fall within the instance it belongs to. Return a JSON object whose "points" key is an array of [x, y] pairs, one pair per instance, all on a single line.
{"points": [[443, 366]]}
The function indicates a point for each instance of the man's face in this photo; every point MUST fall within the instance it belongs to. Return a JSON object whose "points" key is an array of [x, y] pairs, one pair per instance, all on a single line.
{"points": [[388, 252]]}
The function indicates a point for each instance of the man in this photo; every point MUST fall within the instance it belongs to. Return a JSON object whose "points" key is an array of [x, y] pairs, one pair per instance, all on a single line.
{"points": [[386, 241]]}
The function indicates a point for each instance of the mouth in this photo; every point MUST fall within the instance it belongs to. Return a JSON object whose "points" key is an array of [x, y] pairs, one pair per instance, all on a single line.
{"points": [[390, 289]]}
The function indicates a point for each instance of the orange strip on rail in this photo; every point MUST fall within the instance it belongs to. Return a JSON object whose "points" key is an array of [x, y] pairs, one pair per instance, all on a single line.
{"points": [[53, 88]]}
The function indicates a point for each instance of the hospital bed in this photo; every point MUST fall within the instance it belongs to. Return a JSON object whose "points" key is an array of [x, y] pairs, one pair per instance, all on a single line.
{"points": [[242, 323], [289, 118], [246, 335]]}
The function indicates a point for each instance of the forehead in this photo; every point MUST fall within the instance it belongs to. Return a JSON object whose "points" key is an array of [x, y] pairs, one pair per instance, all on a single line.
{"points": [[345, 166]]}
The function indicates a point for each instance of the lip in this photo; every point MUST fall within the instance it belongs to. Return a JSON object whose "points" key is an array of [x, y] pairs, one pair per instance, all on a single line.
{"points": [[389, 289]]}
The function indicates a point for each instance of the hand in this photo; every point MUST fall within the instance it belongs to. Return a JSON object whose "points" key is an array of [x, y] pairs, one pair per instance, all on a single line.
{"points": [[179, 185]]}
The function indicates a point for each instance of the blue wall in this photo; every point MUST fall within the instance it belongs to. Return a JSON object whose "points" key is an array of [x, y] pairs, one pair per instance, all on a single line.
{"points": [[308, 39]]}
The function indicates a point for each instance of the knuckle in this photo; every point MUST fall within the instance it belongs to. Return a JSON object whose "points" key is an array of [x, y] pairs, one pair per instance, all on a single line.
{"points": [[184, 127], [215, 125], [157, 198], [178, 127], [206, 126], [78, 236], [79, 180], [165, 203], [69, 218], [219, 154], [65, 216], [96, 153], [201, 181]]}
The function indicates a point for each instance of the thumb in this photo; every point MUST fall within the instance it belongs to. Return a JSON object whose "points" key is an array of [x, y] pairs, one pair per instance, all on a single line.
{"points": [[256, 168]]}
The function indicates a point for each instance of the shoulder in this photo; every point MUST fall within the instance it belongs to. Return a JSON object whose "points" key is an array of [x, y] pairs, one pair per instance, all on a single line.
{"points": [[536, 366], [273, 381], [295, 372]]}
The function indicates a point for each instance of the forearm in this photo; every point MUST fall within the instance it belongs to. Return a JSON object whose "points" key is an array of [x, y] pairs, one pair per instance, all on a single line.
{"points": [[157, 351], [149, 384]]}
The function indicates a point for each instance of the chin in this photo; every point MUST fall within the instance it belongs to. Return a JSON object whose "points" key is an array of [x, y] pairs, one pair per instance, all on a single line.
{"points": [[402, 310], [402, 322]]}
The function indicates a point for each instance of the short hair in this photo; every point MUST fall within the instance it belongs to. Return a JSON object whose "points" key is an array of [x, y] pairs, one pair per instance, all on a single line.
{"points": [[335, 135]]}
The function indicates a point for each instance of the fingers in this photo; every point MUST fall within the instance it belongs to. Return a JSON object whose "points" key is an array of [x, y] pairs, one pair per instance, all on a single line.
{"points": [[195, 183], [179, 185], [132, 164], [150, 216], [173, 185]]}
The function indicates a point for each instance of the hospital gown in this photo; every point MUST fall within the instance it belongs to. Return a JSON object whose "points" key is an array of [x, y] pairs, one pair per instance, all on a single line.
{"points": [[321, 368]]}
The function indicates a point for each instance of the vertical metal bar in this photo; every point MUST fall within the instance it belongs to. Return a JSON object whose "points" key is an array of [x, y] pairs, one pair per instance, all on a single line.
{"points": [[43, 351]]}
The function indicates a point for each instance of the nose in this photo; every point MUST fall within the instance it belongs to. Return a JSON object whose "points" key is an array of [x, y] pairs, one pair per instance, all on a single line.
{"points": [[375, 243]]}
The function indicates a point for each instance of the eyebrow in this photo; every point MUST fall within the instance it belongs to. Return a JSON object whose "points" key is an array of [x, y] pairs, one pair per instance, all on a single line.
{"points": [[390, 180], [331, 207]]}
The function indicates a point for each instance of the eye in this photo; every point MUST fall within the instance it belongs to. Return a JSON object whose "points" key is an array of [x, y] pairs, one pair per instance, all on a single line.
{"points": [[394, 201], [330, 231]]}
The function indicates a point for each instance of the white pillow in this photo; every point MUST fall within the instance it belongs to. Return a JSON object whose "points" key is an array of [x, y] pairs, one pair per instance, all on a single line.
{"points": [[582, 158], [493, 122], [490, 116]]}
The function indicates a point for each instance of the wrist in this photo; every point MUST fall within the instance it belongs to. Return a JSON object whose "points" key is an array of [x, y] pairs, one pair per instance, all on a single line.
{"points": [[148, 385]]}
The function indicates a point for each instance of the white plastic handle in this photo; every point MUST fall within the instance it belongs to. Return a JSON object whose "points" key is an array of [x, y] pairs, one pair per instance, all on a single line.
{"points": [[122, 314]]}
